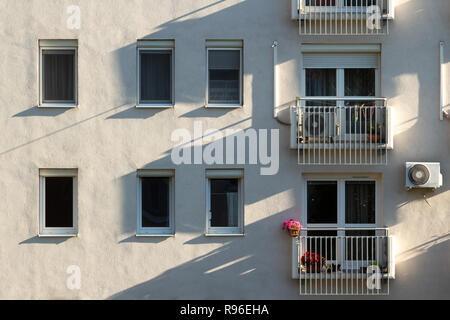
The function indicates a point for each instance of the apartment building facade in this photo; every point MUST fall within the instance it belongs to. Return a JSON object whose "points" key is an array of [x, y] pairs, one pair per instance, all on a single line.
{"points": [[153, 149]]}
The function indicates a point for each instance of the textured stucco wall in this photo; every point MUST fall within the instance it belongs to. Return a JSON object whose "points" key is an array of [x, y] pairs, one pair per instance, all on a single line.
{"points": [[108, 139]]}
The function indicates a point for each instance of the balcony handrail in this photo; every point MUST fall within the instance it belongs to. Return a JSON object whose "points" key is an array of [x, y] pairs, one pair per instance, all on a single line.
{"points": [[338, 17], [341, 99], [345, 265], [343, 133], [384, 229]]}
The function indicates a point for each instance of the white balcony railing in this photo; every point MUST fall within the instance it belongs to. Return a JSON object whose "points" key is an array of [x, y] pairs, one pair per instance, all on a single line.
{"points": [[353, 262], [342, 131], [343, 17]]}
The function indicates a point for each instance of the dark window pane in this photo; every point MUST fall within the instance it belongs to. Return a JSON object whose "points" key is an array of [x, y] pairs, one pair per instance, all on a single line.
{"points": [[361, 245], [58, 202], [322, 243], [320, 83], [360, 202], [321, 2], [224, 203], [58, 76], [224, 76], [155, 202], [322, 202], [359, 3], [156, 76], [360, 82]]}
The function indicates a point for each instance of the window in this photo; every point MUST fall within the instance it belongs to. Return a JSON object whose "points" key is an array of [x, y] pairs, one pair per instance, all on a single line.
{"points": [[322, 202], [343, 202], [155, 203], [58, 202], [336, 208], [58, 73], [155, 73], [224, 202], [224, 73]]}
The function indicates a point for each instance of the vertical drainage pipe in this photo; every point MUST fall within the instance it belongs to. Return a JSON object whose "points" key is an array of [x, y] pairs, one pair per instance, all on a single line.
{"points": [[275, 78]]}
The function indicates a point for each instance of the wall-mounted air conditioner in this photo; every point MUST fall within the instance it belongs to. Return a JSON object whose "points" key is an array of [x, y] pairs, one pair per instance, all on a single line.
{"points": [[423, 175], [317, 124]]}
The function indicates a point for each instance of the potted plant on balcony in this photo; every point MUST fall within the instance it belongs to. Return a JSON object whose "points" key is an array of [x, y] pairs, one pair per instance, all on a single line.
{"points": [[293, 227], [374, 135], [312, 262]]}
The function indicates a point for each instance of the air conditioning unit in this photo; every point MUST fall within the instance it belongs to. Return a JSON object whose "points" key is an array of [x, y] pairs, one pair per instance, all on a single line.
{"points": [[423, 175], [317, 125]]}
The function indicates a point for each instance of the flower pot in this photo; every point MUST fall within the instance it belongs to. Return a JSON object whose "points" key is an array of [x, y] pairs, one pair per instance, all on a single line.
{"points": [[313, 268], [374, 138], [294, 232]]}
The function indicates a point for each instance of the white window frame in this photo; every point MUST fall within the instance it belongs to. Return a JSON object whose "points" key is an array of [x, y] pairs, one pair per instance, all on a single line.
{"points": [[156, 45], [57, 232], [226, 46], [156, 231], [225, 231], [341, 225], [57, 45]]}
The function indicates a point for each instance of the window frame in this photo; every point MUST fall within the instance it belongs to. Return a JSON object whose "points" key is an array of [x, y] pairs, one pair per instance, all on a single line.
{"points": [[59, 46], [341, 179], [225, 231], [240, 104], [341, 227], [60, 231], [156, 104], [156, 231]]}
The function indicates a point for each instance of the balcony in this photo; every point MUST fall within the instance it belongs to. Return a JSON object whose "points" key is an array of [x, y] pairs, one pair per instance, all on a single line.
{"points": [[341, 131], [343, 17], [355, 261]]}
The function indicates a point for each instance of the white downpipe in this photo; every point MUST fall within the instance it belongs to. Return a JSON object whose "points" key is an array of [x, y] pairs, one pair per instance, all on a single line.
{"points": [[442, 72], [275, 78]]}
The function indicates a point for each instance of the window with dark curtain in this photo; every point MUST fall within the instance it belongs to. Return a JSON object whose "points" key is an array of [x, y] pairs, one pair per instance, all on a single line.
{"points": [[58, 75], [224, 76], [322, 201], [156, 76], [155, 202], [320, 83], [224, 203], [59, 202], [360, 202], [359, 82]]}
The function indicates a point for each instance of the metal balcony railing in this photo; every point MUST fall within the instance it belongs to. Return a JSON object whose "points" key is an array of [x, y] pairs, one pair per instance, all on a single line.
{"points": [[342, 131], [344, 17], [353, 262]]}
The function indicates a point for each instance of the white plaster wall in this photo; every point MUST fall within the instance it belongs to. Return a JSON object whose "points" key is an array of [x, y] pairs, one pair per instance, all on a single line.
{"points": [[108, 139]]}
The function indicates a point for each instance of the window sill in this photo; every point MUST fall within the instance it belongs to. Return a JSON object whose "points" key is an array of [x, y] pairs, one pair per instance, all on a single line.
{"points": [[58, 235], [154, 106], [58, 105], [224, 234], [156, 235]]}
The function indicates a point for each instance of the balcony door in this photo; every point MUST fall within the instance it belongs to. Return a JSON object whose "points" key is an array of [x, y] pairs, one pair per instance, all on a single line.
{"points": [[341, 86], [341, 216]]}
